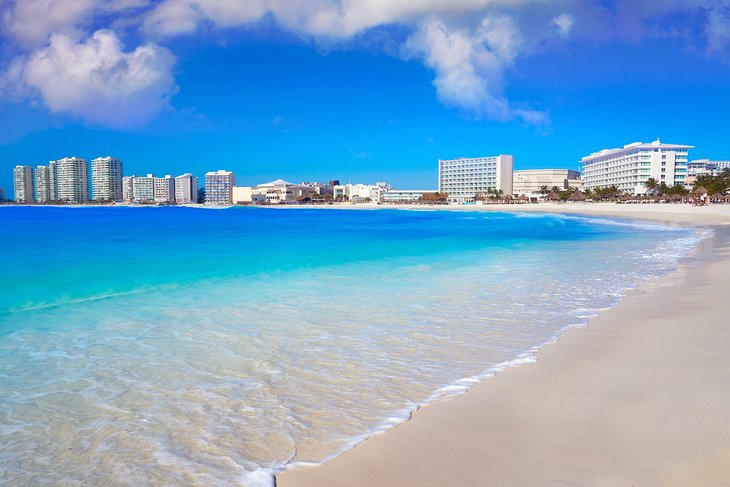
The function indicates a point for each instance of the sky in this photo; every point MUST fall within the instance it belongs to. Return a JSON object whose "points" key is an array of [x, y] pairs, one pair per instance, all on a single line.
{"points": [[360, 91]]}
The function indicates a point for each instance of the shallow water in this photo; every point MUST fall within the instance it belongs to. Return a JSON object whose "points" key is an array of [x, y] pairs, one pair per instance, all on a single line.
{"points": [[171, 346]]}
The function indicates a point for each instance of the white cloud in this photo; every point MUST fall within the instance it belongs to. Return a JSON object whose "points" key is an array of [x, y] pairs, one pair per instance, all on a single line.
{"points": [[96, 80], [564, 22], [467, 43], [31, 22], [468, 65], [718, 30]]}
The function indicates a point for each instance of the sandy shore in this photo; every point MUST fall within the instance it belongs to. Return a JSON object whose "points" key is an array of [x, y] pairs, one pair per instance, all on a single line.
{"points": [[639, 397]]}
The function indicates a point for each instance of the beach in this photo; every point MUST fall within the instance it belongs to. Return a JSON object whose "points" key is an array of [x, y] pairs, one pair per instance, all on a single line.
{"points": [[639, 396]]}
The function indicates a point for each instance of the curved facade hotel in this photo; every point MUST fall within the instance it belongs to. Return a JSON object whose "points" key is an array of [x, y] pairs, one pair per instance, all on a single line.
{"points": [[464, 178], [629, 168]]}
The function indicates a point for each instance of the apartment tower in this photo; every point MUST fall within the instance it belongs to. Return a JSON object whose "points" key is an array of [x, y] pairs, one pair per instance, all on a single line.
{"points": [[73, 180], [186, 189], [106, 179], [42, 185], [23, 184]]}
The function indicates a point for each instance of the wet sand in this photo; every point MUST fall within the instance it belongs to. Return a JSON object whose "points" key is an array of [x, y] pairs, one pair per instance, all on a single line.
{"points": [[640, 396]]}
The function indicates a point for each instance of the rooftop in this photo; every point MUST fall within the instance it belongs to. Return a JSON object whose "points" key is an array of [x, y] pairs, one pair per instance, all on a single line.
{"points": [[634, 146]]}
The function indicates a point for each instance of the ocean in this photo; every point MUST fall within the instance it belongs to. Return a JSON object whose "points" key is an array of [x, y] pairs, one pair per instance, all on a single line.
{"points": [[185, 346]]}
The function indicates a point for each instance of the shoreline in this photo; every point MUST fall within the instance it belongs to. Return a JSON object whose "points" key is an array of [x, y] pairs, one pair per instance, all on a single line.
{"points": [[511, 429]]}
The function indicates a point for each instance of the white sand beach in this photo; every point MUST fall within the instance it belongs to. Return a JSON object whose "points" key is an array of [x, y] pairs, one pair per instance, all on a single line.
{"points": [[638, 397]]}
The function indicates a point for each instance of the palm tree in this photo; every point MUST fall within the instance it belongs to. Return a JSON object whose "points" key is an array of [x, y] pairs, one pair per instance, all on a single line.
{"points": [[651, 184], [544, 189]]}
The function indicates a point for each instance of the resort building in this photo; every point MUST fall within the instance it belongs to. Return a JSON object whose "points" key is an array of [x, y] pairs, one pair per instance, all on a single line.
{"points": [[42, 185], [244, 195], [360, 193], [186, 189], [529, 181], [143, 189], [164, 189], [464, 178], [630, 167], [106, 179], [219, 187], [72, 176], [404, 195], [23, 184], [706, 166]]}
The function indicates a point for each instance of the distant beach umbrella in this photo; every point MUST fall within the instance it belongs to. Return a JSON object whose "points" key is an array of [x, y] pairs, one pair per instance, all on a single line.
{"points": [[699, 190], [553, 196], [577, 196]]}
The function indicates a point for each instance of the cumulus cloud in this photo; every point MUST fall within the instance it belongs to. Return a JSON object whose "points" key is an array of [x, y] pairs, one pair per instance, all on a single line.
{"points": [[469, 64], [96, 80], [469, 44], [32, 22]]}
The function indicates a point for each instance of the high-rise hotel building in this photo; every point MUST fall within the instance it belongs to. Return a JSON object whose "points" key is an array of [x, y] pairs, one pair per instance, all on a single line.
{"points": [[630, 167], [72, 175], [186, 189], [219, 187], [464, 178], [106, 179], [23, 184]]}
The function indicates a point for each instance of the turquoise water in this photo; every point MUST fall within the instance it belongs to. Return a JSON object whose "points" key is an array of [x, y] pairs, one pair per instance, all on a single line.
{"points": [[171, 346]]}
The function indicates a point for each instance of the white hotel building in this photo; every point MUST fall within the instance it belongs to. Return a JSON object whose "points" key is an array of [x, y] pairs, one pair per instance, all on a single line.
{"points": [[629, 168], [464, 178]]}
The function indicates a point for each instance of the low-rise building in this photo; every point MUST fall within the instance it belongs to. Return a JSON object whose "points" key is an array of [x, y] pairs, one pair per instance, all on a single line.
{"points": [[358, 193], [706, 166], [529, 181], [404, 195]]}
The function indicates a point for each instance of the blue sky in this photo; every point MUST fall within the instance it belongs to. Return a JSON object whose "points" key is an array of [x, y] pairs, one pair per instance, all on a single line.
{"points": [[356, 91]]}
